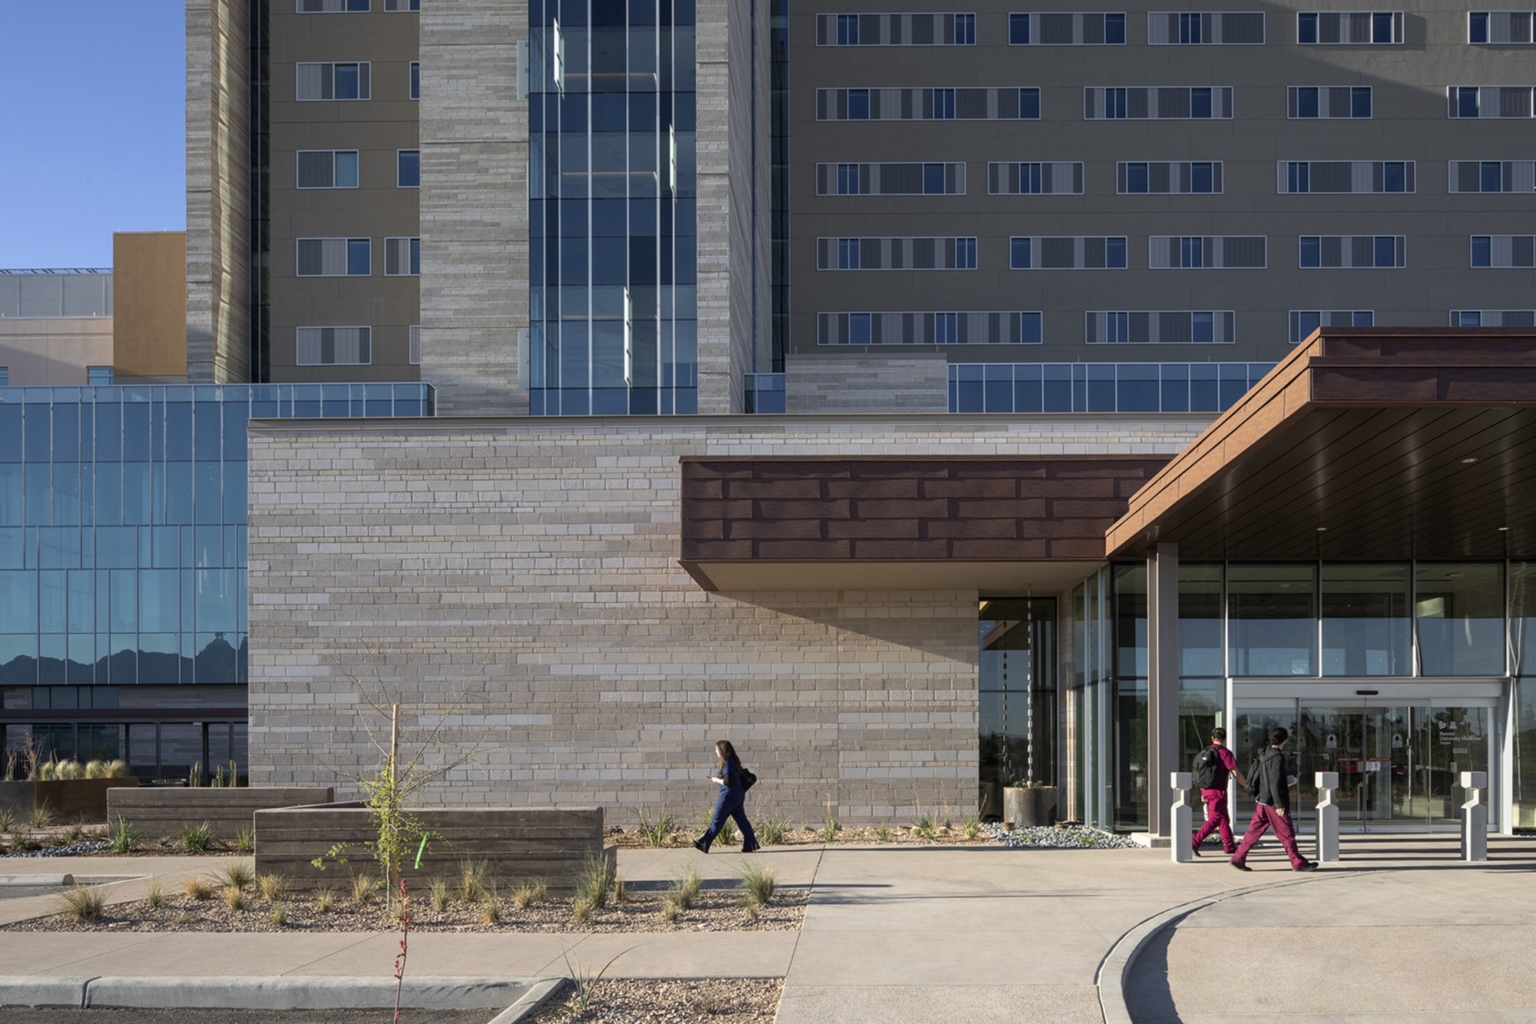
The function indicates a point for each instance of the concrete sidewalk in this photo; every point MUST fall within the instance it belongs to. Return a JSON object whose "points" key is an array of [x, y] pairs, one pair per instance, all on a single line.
{"points": [[938, 934]]}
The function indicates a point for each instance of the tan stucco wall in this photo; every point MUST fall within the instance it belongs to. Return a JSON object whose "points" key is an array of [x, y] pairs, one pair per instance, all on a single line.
{"points": [[54, 350], [150, 319]]}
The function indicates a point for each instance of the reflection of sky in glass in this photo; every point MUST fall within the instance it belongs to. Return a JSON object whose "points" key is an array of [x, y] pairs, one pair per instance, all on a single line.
{"points": [[122, 525], [612, 210]]}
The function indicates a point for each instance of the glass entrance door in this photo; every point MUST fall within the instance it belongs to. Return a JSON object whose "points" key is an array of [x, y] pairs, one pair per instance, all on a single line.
{"points": [[1398, 765]]}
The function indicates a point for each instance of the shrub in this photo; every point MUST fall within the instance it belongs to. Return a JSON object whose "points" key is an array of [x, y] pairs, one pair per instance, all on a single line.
{"points": [[438, 894], [7, 820], [924, 826], [42, 815], [325, 899], [657, 832], [122, 837], [772, 831], [95, 769], [197, 888], [594, 881], [196, 838], [758, 884], [474, 880], [972, 827], [365, 888], [83, 904], [245, 840], [829, 829], [883, 833], [237, 875], [273, 887]]}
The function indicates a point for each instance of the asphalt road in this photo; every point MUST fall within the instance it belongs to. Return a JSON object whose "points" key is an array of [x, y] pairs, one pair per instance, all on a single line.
{"points": [[59, 1015]]}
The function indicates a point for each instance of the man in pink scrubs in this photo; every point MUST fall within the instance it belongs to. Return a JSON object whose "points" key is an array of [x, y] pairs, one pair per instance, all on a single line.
{"points": [[1213, 765]]}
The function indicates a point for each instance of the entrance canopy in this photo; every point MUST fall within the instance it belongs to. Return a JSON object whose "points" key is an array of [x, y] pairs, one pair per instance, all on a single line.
{"points": [[1364, 443]]}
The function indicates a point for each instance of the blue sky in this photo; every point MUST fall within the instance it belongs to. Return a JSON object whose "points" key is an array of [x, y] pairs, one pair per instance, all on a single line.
{"points": [[92, 110]]}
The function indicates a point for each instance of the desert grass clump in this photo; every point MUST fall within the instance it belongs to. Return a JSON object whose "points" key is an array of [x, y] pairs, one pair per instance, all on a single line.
{"points": [[41, 816], [686, 888], [365, 889], [95, 769], [595, 880], [197, 888], [657, 831], [758, 884], [122, 837], [772, 831], [883, 833], [237, 875], [154, 893], [245, 841], [581, 910], [972, 826], [234, 898], [751, 911], [83, 904], [7, 820], [620, 893], [273, 887], [490, 908], [474, 880], [325, 900], [535, 890], [117, 770], [438, 894], [829, 829], [278, 915], [196, 838], [670, 911]]}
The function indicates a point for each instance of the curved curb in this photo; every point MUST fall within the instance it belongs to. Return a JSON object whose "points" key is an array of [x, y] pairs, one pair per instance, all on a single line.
{"points": [[1115, 968]]}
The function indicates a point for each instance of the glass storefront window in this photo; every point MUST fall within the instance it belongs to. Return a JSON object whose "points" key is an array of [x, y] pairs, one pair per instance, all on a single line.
{"points": [[1017, 696], [1460, 611], [1273, 613], [1129, 610], [1366, 628], [1200, 620]]}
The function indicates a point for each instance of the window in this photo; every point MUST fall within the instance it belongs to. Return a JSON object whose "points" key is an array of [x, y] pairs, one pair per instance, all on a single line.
{"points": [[1167, 177], [847, 254], [933, 179], [858, 104], [926, 29], [1205, 28], [1068, 253], [5, 376], [1305, 321], [334, 346], [98, 376], [1034, 179], [1503, 251], [333, 257], [402, 5], [1493, 318], [1029, 104], [943, 104], [402, 257], [415, 79], [413, 345], [1191, 253], [333, 6], [1151, 103], [1066, 29], [1350, 27], [1488, 101], [965, 254], [1328, 101], [1345, 176], [928, 328], [1218, 252], [847, 179], [327, 168], [1491, 176], [332, 81], [1352, 251], [1500, 26], [1160, 327], [408, 164]]}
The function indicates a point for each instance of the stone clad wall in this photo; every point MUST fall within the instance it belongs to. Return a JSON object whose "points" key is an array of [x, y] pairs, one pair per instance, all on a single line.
{"points": [[514, 584]]}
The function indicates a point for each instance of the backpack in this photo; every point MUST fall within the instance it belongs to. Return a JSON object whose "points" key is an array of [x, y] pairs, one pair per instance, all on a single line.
{"points": [[1210, 773]]}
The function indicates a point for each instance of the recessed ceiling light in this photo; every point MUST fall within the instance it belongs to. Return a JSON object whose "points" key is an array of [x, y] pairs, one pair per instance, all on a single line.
{"points": [[1469, 460], [1503, 529], [1320, 529]]}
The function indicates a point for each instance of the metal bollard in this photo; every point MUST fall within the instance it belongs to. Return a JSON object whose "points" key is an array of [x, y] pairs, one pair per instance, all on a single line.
{"points": [[1474, 817], [1180, 817], [1327, 818]]}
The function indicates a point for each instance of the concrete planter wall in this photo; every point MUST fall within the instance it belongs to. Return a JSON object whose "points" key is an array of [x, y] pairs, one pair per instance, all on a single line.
{"points": [[16, 797], [158, 811], [1029, 805], [73, 799], [518, 844]]}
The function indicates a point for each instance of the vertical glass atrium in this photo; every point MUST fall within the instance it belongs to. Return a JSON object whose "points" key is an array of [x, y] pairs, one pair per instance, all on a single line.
{"points": [[612, 210]]}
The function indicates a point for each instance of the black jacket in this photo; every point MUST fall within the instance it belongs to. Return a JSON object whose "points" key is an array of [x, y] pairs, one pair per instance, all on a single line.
{"points": [[1266, 780]]}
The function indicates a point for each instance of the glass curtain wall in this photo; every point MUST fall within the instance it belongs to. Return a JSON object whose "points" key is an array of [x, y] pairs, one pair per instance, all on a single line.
{"points": [[1088, 703], [1018, 696], [1131, 781], [1202, 686], [1522, 637], [1460, 610], [1366, 628], [613, 250]]}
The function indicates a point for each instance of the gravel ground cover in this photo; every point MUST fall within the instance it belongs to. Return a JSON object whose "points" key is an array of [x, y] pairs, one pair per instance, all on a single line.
{"points": [[1070, 837], [118, 1015], [644, 1001], [714, 908]]}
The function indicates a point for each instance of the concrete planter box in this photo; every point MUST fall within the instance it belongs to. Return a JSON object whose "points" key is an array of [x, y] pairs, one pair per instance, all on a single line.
{"points": [[517, 843], [1029, 805], [16, 797], [159, 811], [73, 799]]}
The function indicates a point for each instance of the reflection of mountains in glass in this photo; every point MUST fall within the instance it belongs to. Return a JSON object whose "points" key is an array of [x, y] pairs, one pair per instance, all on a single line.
{"points": [[218, 662]]}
